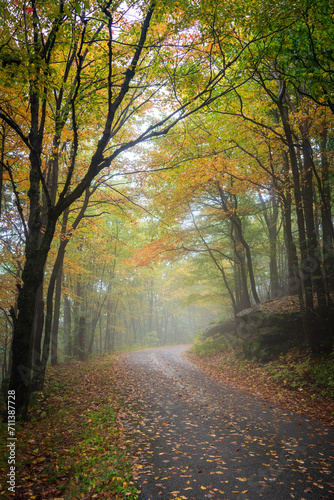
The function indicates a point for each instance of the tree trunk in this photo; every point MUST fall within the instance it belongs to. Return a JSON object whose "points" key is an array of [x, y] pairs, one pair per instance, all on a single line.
{"points": [[37, 334], [56, 317], [39, 369], [68, 327], [314, 253], [238, 226], [32, 278], [271, 217], [294, 283], [151, 301], [326, 216], [237, 237], [107, 344], [306, 310], [2, 160], [82, 339], [241, 280]]}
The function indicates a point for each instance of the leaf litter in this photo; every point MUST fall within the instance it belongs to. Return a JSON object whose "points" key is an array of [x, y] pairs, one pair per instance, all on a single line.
{"points": [[73, 446], [221, 447], [148, 442]]}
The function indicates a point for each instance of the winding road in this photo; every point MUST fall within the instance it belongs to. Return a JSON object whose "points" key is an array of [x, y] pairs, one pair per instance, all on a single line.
{"points": [[196, 438]]}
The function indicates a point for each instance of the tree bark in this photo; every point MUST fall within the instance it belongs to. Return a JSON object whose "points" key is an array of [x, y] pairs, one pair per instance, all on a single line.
{"points": [[241, 284], [82, 339], [326, 216], [68, 327], [270, 214], [22, 345], [2, 160], [238, 226], [307, 308], [314, 252], [56, 317]]}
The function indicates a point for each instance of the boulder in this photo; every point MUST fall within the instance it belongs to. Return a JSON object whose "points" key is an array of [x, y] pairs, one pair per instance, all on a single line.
{"points": [[263, 334], [227, 327], [266, 335]]}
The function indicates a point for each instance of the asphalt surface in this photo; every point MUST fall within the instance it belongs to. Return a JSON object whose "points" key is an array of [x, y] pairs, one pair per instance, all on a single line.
{"points": [[196, 438]]}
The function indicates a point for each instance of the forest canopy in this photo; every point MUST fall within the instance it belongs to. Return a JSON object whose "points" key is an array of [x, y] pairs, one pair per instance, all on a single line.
{"points": [[163, 164]]}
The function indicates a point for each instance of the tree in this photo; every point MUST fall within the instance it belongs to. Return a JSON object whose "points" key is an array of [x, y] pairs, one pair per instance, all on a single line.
{"points": [[280, 132]]}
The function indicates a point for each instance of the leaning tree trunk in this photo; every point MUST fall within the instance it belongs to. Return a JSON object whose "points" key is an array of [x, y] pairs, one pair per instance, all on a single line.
{"points": [[52, 314], [40, 367]]}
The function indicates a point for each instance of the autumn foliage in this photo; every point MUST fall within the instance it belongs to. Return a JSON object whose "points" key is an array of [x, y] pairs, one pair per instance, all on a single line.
{"points": [[162, 165]]}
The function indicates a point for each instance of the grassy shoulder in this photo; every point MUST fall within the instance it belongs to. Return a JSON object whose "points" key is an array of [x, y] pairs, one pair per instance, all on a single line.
{"points": [[295, 380], [73, 445]]}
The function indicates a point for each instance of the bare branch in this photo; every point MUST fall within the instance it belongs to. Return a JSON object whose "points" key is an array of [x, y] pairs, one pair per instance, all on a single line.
{"points": [[17, 197]]}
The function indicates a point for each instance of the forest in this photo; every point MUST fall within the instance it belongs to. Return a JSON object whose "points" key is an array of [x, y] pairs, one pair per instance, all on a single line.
{"points": [[163, 165]]}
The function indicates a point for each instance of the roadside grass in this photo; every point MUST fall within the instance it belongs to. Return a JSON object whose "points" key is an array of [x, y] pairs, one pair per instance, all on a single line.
{"points": [[212, 346], [294, 380], [298, 370], [73, 447]]}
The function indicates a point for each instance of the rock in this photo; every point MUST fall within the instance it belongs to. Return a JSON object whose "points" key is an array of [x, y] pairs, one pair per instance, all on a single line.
{"points": [[266, 335], [227, 327], [263, 335]]}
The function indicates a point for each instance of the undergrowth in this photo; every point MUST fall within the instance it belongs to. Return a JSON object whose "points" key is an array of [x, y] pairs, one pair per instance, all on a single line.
{"points": [[294, 370], [214, 345], [73, 445]]}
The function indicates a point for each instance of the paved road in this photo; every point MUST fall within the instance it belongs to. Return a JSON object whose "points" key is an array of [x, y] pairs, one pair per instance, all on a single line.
{"points": [[195, 438]]}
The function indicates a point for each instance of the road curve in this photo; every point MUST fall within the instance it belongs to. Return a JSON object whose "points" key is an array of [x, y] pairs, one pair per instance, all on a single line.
{"points": [[196, 438]]}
